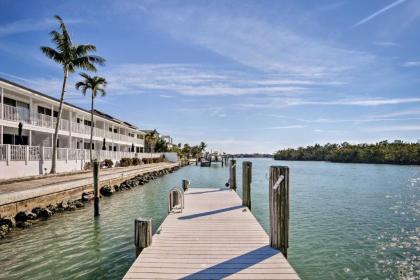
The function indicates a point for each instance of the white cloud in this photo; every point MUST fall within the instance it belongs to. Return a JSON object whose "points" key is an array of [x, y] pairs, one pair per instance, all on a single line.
{"points": [[386, 43], [196, 80], [286, 102], [411, 64], [379, 12], [260, 44], [395, 128], [29, 25]]}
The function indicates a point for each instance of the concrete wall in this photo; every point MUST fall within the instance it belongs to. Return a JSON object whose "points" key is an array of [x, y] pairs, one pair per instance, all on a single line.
{"points": [[17, 169], [172, 157]]}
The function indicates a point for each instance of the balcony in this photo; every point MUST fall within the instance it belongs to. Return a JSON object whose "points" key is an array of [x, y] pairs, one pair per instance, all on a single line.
{"points": [[36, 153], [16, 114]]}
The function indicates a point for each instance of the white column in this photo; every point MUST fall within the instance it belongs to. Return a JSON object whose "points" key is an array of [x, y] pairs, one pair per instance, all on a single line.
{"points": [[52, 116], [30, 138], [31, 105], [7, 154], [26, 154], [1, 108], [1, 134]]}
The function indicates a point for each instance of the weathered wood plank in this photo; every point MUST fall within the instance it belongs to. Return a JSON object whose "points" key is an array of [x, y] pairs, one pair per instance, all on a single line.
{"points": [[214, 237]]}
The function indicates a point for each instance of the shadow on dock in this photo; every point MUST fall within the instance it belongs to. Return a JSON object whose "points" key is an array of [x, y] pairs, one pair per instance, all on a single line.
{"points": [[234, 265]]}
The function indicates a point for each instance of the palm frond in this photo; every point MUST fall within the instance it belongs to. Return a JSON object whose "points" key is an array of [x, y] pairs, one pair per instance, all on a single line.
{"points": [[85, 49], [53, 54]]}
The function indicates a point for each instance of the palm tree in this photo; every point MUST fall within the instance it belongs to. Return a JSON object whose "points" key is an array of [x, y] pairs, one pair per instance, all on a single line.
{"points": [[151, 139], [71, 57], [203, 146], [96, 85]]}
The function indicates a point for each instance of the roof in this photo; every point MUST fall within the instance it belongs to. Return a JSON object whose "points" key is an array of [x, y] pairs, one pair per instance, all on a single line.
{"points": [[97, 112]]}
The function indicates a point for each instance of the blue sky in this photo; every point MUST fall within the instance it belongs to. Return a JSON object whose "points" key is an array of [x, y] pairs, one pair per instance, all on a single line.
{"points": [[244, 76]]}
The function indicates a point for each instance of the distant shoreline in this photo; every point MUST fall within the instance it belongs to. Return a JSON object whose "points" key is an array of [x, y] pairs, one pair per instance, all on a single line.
{"points": [[384, 152]]}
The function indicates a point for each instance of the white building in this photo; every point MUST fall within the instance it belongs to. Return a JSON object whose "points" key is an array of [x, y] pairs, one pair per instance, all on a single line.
{"points": [[169, 141], [36, 113]]}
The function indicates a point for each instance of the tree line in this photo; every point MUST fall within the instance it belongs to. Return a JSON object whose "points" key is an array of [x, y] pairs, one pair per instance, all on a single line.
{"points": [[397, 152]]}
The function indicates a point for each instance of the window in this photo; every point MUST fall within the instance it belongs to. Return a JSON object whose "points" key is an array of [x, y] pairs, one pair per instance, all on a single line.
{"points": [[115, 130], [8, 139], [110, 129], [87, 146], [10, 102], [46, 111], [88, 123], [14, 139]]}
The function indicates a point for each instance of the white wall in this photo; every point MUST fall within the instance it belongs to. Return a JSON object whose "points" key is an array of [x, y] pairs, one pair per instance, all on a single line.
{"points": [[172, 157], [17, 169]]}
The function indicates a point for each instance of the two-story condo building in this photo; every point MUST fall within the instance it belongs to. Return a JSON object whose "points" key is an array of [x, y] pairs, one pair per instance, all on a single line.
{"points": [[27, 122]]}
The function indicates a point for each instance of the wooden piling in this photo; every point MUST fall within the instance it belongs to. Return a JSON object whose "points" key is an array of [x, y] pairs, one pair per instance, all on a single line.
{"points": [[232, 174], [246, 183], [279, 208], [185, 184], [96, 188], [142, 234]]}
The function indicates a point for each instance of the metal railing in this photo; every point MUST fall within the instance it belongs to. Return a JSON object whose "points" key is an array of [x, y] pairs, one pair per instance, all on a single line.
{"points": [[176, 200]]}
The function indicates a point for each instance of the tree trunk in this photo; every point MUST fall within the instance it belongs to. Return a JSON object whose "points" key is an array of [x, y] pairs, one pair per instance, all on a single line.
{"points": [[91, 127], [55, 137]]}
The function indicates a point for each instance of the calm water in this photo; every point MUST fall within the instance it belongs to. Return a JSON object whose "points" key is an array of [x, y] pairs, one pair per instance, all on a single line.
{"points": [[348, 221]]}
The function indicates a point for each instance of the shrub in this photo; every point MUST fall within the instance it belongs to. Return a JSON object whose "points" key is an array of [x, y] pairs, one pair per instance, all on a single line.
{"points": [[135, 161], [124, 162], [87, 166], [107, 163]]}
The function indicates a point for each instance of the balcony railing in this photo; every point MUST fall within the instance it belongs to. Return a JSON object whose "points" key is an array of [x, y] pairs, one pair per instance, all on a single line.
{"points": [[24, 115], [36, 153]]}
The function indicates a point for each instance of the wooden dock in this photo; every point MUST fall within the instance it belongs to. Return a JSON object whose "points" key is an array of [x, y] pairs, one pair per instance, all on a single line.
{"points": [[215, 237]]}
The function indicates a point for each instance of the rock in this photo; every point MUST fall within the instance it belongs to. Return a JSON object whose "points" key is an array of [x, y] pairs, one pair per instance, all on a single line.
{"points": [[9, 221], [42, 212], [23, 224], [63, 205], [31, 216], [4, 230], [106, 191], [71, 207], [21, 217], [87, 196], [53, 208], [78, 204]]}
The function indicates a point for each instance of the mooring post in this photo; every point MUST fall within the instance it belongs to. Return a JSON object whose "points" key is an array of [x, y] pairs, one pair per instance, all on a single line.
{"points": [[246, 183], [142, 234], [96, 188], [279, 208], [185, 184], [232, 174]]}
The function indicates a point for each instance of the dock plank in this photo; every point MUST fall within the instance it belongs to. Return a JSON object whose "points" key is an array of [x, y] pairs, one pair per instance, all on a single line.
{"points": [[215, 237]]}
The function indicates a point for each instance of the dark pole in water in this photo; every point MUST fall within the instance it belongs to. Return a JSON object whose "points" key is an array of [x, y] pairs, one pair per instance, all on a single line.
{"points": [[246, 183], [279, 208], [232, 173], [142, 234], [185, 184], [96, 188]]}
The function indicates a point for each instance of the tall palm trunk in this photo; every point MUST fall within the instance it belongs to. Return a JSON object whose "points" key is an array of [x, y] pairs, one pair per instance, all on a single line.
{"points": [[91, 127], [55, 137]]}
